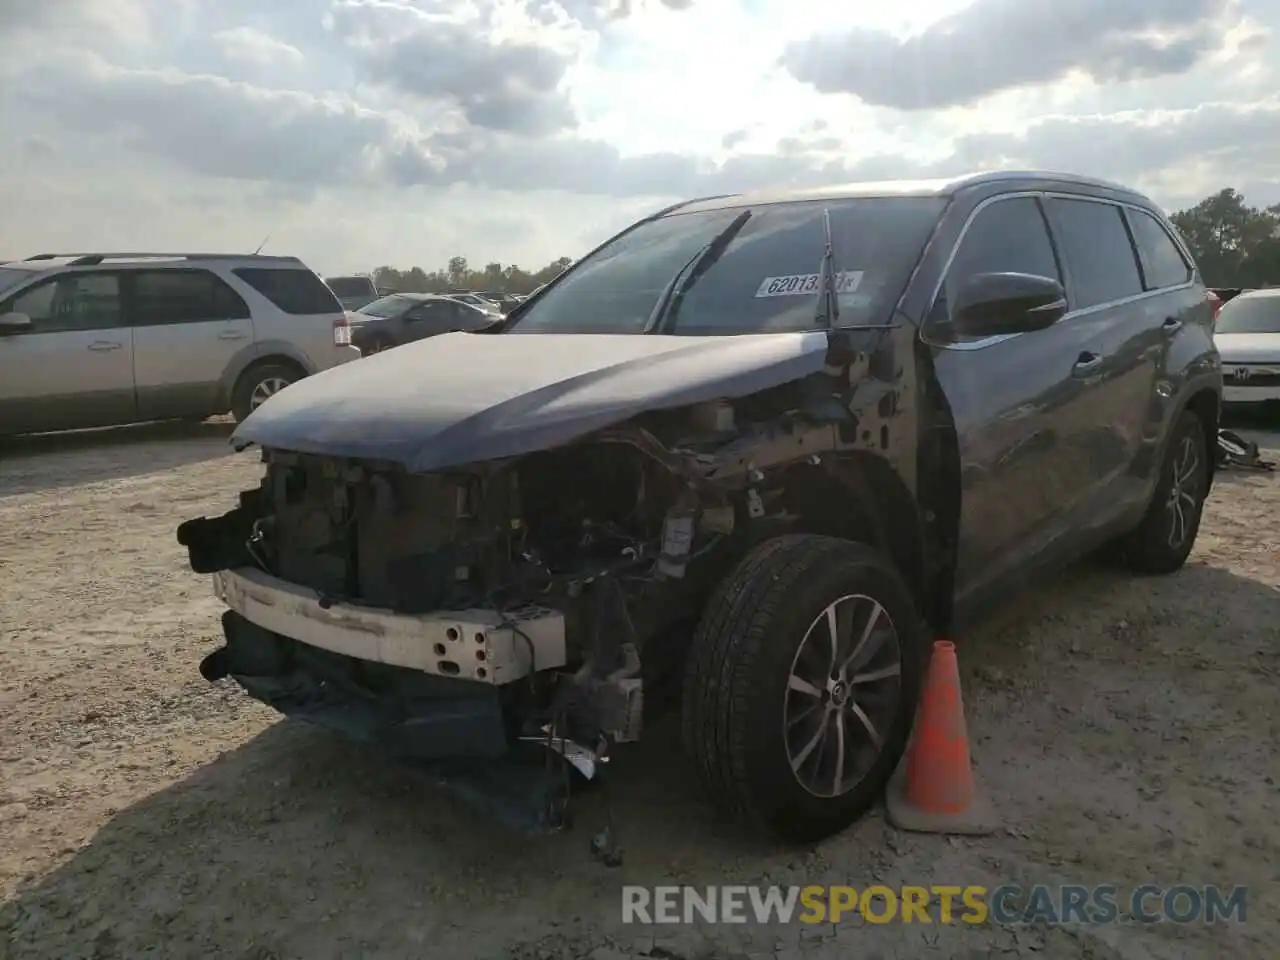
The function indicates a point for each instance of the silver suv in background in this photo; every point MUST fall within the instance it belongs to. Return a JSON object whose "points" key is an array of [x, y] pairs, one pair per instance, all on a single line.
{"points": [[100, 339], [353, 292]]}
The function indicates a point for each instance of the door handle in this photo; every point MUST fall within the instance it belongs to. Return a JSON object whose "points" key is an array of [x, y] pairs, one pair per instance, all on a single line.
{"points": [[231, 335], [1086, 363], [101, 346], [1171, 324]]}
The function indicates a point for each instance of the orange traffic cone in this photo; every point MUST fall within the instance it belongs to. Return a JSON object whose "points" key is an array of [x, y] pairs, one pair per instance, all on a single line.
{"points": [[933, 790]]}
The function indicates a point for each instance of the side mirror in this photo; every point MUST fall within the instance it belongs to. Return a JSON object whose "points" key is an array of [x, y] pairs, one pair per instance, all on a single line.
{"points": [[996, 304], [14, 323]]}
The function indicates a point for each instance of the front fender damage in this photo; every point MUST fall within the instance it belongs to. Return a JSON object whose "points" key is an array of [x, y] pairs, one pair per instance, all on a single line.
{"points": [[621, 535]]}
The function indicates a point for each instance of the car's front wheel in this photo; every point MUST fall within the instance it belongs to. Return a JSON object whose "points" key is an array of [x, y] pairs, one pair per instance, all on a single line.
{"points": [[801, 685]]}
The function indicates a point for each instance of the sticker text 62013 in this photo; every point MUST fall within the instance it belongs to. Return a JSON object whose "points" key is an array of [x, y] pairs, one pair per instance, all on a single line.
{"points": [[800, 284]]}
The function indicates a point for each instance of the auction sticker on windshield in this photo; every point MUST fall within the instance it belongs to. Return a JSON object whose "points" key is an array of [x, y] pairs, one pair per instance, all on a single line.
{"points": [[800, 284]]}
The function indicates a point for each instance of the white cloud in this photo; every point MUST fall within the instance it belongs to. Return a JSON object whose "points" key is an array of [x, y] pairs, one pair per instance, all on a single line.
{"points": [[255, 47], [362, 132]]}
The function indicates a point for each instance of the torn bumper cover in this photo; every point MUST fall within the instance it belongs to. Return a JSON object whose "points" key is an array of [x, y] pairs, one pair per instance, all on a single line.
{"points": [[358, 675]]}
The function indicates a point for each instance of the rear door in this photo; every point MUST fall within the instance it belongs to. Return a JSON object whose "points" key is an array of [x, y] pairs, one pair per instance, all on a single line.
{"points": [[187, 326], [1018, 406], [74, 366], [1122, 323]]}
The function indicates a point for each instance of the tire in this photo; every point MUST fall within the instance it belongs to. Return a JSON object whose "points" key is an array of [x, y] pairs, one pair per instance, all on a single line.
{"points": [[248, 392], [737, 693], [1155, 547]]}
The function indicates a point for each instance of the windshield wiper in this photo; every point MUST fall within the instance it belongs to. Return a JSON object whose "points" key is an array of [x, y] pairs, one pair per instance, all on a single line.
{"points": [[828, 312], [674, 293]]}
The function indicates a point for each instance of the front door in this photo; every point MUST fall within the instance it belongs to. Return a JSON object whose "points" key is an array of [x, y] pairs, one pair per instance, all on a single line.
{"points": [[187, 326], [1018, 403], [73, 367]]}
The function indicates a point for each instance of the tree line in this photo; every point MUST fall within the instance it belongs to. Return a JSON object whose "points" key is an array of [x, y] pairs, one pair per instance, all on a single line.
{"points": [[459, 276], [1236, 245]]}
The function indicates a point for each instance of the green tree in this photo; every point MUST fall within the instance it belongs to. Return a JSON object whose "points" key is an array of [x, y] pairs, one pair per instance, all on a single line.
{"points": [[457, 274], [1236, 245]]}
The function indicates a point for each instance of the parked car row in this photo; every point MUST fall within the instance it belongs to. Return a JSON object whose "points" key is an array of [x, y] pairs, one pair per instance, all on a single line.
{"points": [[107, 338], [401, 318], [99, 339]]}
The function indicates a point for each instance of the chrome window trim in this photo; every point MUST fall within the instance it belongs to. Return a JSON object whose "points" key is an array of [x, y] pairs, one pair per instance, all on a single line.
{"points": [[985, 342]]}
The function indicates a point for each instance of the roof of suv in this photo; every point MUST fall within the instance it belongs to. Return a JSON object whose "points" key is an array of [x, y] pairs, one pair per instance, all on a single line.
{"points": [[943, 187], [48, 261]]}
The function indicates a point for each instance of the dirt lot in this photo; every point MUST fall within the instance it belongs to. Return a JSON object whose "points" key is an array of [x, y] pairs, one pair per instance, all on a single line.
{"points": [[1124, 728]]}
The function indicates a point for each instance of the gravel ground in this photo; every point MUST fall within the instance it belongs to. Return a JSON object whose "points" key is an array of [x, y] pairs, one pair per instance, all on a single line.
{"points": [[1123, 728]]}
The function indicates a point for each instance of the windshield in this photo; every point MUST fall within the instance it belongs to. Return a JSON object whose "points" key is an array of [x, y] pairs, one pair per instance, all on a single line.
{"points": [[10, 276], [391, 306], [765, 281], [350, 286], [1249, 315]]}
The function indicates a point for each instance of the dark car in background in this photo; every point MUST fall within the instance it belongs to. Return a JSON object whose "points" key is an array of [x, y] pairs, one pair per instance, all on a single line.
{"points": [[403, 317]]}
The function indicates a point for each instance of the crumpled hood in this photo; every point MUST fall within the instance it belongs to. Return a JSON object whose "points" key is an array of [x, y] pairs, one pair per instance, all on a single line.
{"points": [[1248, 347], [463, 398]]}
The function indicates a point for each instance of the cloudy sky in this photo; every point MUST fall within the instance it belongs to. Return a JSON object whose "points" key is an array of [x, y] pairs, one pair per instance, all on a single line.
{"points": [[363, 132]]}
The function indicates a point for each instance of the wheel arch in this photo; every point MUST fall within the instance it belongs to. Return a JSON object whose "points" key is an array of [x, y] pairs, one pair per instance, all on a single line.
{"points": [[269, 351], [1206, 404], [860, 496]]}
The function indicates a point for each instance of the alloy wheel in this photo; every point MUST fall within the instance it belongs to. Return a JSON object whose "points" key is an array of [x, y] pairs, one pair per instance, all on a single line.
{"points": [[1184, 491], [843, 692], [266, 388]]}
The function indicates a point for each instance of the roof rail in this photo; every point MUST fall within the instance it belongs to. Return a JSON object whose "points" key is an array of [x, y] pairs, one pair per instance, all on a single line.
{"points": [[684, 203], [93, 259]]}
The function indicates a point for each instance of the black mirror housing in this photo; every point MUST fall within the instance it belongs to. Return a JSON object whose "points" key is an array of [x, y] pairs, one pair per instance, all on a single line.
{"points": [[1000, 304]]}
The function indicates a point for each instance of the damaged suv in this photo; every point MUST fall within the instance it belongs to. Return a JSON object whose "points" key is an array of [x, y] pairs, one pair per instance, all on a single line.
{"points": [[754, 450]]}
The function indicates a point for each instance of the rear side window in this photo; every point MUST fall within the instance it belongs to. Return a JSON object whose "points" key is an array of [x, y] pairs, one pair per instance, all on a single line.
{"points": [[183, 296], [1162, 262], [1099, 254], [294, 290]]}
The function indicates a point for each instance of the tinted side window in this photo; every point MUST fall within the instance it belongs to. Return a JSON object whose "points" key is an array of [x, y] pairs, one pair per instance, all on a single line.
{"points": [[1009, 236], [1162, 262], [294, 290], [1099, 255], [81, 301], [183, 296], [351, 286]]}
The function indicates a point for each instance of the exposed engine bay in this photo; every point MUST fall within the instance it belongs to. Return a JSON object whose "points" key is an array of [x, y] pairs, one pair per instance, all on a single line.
{"points": [[534, 602]]}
